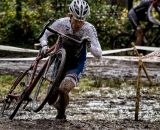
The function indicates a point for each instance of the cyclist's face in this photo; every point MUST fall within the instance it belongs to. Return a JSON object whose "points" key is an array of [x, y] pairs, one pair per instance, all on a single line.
{"points": [[76, 24]]}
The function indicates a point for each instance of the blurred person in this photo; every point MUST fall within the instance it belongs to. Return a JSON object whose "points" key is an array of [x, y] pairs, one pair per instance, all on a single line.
{"points": [[139, 13]]}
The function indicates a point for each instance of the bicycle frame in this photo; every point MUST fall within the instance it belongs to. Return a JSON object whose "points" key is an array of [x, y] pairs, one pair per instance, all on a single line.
{"points": [[34, 65]]}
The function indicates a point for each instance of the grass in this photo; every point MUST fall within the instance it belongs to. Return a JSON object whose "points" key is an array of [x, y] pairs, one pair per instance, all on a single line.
{"points": [[85, 84], [5, 83]]}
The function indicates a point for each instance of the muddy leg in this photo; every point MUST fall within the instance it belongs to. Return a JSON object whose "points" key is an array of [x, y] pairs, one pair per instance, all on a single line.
{"points": [[61, 104]]}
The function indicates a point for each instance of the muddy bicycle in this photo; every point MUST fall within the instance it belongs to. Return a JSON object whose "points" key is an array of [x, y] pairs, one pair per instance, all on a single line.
{"points": [[39, 81]]}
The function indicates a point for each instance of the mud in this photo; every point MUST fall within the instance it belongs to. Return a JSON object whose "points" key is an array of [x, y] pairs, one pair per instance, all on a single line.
{"points": [[97, 109], [103, 108], [51, 124]]}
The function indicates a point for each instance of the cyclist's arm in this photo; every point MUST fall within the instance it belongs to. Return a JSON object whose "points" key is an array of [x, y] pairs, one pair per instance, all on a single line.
{"points": [[95, 48], [151, 18], [44, 38]]}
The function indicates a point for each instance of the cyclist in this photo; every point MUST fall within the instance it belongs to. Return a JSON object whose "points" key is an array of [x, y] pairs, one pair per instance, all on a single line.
{"points": [[76, 25], [139, 13]]}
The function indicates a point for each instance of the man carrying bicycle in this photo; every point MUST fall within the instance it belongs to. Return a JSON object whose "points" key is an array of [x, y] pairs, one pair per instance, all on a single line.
{"points": [[75, 25], [139, 13]]}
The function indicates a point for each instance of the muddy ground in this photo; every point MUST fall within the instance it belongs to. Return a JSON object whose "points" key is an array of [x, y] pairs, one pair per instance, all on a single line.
{"points": [[99, 109], [51, 124], [104, 108]]}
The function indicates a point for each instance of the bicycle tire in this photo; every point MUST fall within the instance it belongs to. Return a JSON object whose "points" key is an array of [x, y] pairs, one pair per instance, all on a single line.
{"points": [[152, 37], [25, 94], [19, 103], [15, 90], [56, 65]]}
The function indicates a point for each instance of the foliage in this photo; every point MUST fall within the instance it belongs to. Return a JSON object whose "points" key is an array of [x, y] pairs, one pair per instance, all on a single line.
{"points": [[22, 21], [21, 31]]}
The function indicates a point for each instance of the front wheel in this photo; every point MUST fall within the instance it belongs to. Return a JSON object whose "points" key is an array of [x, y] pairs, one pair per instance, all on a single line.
{"points": [[49, 80]]}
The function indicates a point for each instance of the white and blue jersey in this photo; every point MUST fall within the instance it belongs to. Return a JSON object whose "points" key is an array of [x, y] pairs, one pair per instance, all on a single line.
{"points": [[63, 25]]}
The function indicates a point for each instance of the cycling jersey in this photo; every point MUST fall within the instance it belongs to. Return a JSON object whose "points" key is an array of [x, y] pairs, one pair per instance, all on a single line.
{"points": [[63, 25], [139, 12]]}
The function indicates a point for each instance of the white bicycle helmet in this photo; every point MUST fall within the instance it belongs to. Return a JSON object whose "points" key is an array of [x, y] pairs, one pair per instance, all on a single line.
{"points": [[80, 9]]}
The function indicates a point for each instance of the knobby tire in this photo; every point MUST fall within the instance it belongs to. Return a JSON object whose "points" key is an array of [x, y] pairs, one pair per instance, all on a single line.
{"points": [[61, 54]]}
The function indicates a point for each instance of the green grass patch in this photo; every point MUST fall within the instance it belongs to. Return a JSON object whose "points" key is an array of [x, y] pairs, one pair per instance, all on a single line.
{"points": [[5, 83], [85, 84]]}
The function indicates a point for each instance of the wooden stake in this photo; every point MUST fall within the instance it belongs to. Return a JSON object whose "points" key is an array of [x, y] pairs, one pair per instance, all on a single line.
{"points": [[138, 87], [143, 66]]}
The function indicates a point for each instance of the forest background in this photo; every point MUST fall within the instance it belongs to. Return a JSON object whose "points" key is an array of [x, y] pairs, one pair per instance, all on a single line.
{"points": [[23, 20]]}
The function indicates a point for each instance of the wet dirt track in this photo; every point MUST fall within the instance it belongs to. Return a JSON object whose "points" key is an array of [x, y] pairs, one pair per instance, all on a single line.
{"points": [[98, 109], [50, 124]]}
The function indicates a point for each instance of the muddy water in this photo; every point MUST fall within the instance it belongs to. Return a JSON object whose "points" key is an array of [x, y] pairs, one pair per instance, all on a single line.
{"points": [[108, 107], [105, 103]]}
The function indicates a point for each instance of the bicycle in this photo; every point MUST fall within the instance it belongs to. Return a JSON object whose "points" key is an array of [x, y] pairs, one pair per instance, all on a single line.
{"points": [[151, 34], [36, 82]]}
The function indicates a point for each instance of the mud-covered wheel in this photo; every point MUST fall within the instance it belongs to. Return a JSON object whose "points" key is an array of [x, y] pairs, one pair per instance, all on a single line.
{"points": [[49, 80]]}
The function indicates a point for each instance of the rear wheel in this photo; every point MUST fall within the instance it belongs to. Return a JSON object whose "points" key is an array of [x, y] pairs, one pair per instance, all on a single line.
{"points": [[49, 80], [152, 37], [14, 93]]}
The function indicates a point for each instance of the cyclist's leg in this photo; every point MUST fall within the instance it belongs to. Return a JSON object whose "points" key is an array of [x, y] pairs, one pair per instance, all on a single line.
{"points": [[132, 15], [133, 18], [139, 35], [68, 83]]}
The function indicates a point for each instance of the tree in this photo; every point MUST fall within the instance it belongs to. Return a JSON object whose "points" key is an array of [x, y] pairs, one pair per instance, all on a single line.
{"points": [[23, 21]]}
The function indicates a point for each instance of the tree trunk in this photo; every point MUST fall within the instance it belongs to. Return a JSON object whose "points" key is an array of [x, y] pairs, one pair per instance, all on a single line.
{"points": [[18, 9]]}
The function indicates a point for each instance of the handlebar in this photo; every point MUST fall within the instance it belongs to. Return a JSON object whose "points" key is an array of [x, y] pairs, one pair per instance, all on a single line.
{"points": [[54, 31], [150, 17], [52, 48], [46, 27]]}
